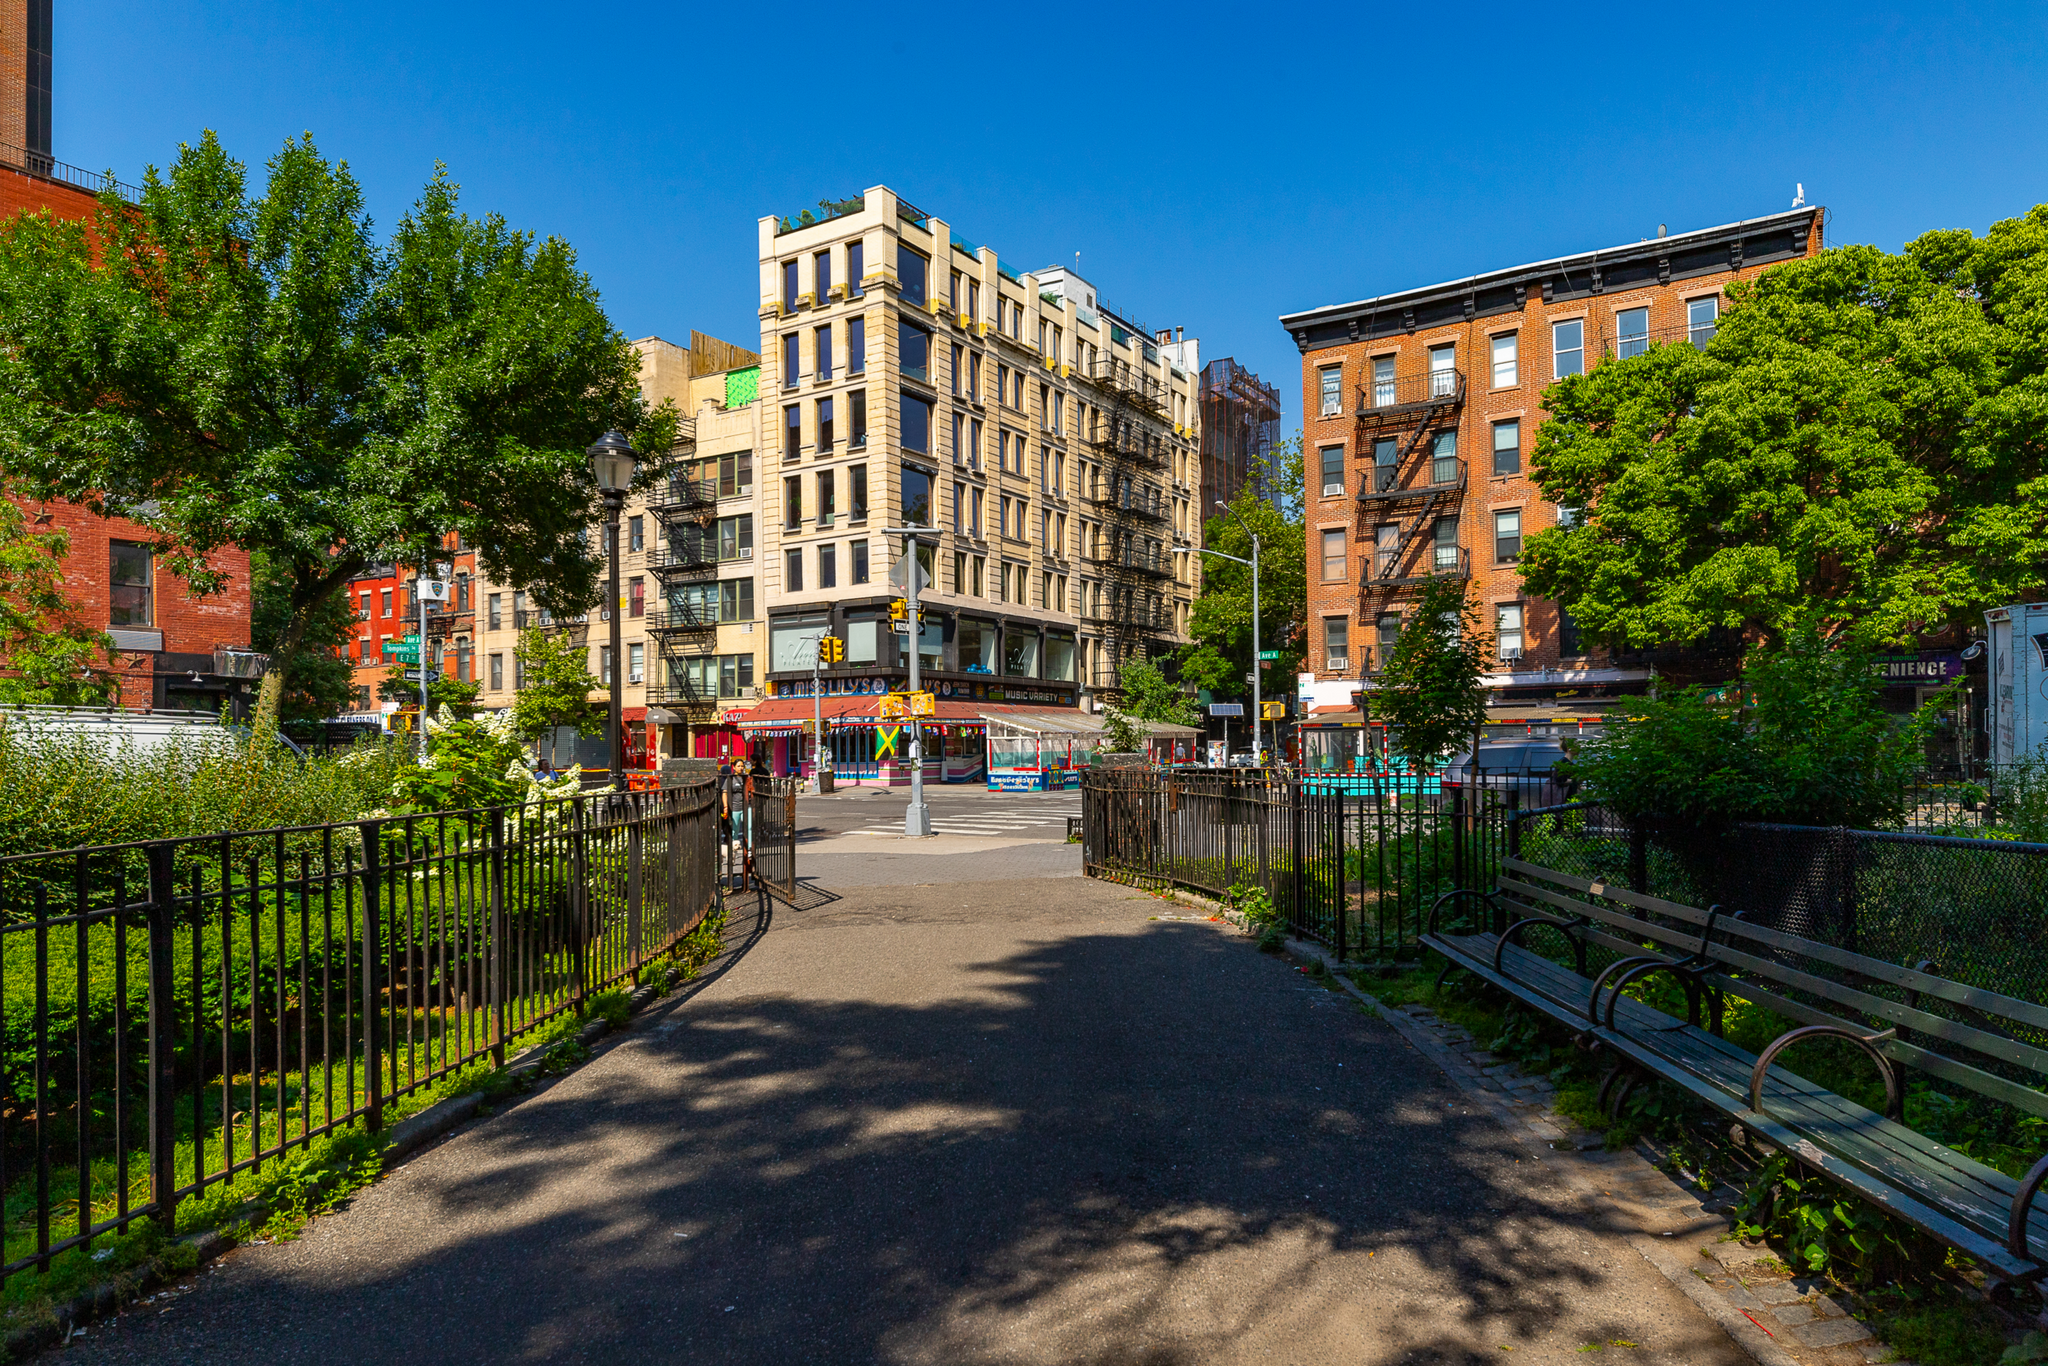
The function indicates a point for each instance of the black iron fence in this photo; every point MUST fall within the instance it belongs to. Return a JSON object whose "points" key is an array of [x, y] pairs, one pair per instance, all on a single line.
{"points": [[179, 1012], [773, 807], [1353, 865]]}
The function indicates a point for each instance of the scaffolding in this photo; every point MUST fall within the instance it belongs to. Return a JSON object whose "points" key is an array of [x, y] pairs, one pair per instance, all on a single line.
{"points": [[1410, 489], [1240, 427], [1134, 444]]}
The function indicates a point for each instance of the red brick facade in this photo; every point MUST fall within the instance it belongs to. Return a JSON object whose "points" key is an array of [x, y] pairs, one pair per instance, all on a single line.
{"points": [[191, 628], [1456, 417]]}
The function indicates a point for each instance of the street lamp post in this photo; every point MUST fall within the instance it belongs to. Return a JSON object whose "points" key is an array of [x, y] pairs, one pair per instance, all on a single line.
{"points": [[917, 817], [1258, 741], [614, 461]]}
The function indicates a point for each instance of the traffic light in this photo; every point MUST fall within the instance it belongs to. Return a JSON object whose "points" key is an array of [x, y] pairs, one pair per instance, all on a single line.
{"points": [[899, 610], [831, 649]]}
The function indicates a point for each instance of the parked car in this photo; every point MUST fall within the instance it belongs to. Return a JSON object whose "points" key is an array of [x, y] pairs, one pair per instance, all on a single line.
{"points": [[1528, 768]]}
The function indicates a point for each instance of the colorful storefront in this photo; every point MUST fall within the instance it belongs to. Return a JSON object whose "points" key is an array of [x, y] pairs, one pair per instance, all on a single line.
{"points": [[867, 748]]}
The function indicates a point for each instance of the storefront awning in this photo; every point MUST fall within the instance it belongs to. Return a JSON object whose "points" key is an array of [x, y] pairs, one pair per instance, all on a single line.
{"points": [[864, 709]]}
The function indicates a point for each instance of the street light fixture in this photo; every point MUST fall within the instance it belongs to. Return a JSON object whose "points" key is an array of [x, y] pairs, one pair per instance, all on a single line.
{"points": [[614, 462], [1258, 718]]}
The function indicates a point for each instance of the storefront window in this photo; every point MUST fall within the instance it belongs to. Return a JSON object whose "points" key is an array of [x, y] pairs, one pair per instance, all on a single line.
{"points": [[1059, 658], [977, 646], [1020, 654]]}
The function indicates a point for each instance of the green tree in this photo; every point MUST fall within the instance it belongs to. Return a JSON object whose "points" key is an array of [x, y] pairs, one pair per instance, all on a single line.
{"points": [[318, 680], [1149, 697], [1220, 625], [557, 687], [445, 692], [256, 370], [49, 657], [1857, 453], [1429, 693], [1804, 741]]}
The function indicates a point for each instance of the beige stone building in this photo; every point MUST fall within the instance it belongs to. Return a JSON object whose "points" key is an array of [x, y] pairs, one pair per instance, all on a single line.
{"points": [[910, 377], [690, 637]]}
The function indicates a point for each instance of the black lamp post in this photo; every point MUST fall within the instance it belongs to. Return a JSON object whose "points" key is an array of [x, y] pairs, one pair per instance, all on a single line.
{"points": [[613, 460]]}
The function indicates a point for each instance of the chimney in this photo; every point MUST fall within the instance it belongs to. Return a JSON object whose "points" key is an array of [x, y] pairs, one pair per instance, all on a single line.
{"points": [[25, 83]]}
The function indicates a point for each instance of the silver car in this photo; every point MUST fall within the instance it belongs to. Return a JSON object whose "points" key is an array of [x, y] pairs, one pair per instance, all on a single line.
{"points": [[1527, 768]]}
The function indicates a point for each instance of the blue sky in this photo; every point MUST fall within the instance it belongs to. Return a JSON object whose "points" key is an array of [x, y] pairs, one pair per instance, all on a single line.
{"points": [[1215, 167]]}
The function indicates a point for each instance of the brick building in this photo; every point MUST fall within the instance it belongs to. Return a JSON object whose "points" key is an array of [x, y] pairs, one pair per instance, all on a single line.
{"points": [[173, 649], [1421, 409]]}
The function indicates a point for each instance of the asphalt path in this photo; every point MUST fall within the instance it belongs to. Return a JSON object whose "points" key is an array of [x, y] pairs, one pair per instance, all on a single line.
{"points": [[964, 1123]]}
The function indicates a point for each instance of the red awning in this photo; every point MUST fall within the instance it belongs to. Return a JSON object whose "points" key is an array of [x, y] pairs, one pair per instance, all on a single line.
{"points": [[781, 711]]}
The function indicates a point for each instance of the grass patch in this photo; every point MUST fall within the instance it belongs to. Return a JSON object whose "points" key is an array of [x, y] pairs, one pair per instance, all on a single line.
{"points": [[1945, 1335]]}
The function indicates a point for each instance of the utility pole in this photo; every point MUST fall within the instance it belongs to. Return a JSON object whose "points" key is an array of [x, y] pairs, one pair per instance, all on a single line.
{"points": [[419, 591], [1253, 563], [917, 817], [818, 714]]}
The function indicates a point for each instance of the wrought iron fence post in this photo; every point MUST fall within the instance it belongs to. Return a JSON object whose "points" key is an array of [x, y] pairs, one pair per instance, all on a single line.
{"points": [[1458, 834], [633, 833], [497, 961], [579, 870], [373, 1058], [163, 1025], [1292, 798]]}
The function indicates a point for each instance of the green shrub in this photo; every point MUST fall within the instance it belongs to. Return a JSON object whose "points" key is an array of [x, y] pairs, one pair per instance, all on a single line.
{"points": [[615, 1008]]}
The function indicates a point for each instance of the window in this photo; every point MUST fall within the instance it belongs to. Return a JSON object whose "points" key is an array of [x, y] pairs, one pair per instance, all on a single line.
{"points": [[793, 571], [959, 508], [462, 660], [636, 663], [736, 537], [1568, 348], [959, 438], [974, 377], [828, 566], [604, 665], [131, 597], [792, 360], [974, 298], [857, 495], [1507, 536], [958, 373], [1333, 391], [959, 571], [917, 497], [1506, 349], [518, 671], [824, 425], [736, 600], [1382, 381], [1336, 643], [491, 611], [1700, 316], [789, 283], [1508, 630], [636, 533], [1631, 332], [735, 675], [953, 292], [913, 350], [1333, 471], [977, 571], [827, 504], [497, 673], [1333, 556], [1059, 411], [1444, 558], [1386, 454], [974, 513], [823, 339], [735, 474], [823, 284], [1443, 457], [855, 253], [1386, 635], [856, 346], [910, 273], [857, 418], [792, 431], [974, 444], [1568, 643], [857, 555], [917, 424], [1003, 518], [1443, 371], [1507, 447], [792, 502], [1020, 649], [636, 596]]}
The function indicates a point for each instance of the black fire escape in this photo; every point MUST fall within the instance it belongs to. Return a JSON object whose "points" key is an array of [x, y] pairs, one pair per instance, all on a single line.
{"points": [[1402, 500], [1135, 562], [685, 622]]}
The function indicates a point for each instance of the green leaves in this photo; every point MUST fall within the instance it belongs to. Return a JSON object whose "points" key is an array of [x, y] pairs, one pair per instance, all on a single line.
{"points": [[1149, 697], [557, 687], [1856, 453], [50, 657], [1429, 691], [1220, 622], [256, 370]]}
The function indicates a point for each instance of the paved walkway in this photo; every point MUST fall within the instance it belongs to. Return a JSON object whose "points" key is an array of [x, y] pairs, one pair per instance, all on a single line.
{"points": [[1000, 1122]]}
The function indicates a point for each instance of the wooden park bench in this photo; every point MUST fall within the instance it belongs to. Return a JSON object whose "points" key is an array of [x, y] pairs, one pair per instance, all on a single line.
{"points": [[1830, 992]]}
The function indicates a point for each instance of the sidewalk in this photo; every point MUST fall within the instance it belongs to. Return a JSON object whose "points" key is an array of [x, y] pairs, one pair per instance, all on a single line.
{"points": [[1015, 1121]]}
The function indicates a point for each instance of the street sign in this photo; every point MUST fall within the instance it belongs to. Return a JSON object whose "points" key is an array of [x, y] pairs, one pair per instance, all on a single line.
{"points": [[412, 675], [1267, 656], [1226, 709], [897, 575]]}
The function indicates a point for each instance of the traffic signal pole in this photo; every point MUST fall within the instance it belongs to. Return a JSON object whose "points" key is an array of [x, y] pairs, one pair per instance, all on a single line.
{"points": [[917, 817], [818, 717]]}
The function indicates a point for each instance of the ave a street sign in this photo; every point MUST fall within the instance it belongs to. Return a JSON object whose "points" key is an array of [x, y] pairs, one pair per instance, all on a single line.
{"points": [[1267, 656]]}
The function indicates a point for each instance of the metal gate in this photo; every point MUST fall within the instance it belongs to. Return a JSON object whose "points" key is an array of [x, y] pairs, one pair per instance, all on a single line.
{"points": [[774, 832]]}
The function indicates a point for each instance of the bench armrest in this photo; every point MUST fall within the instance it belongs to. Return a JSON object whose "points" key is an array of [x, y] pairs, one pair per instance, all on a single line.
{"points": [[1894, 1102], [1436, 907], [2022, 1206], [1686, 972]]}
